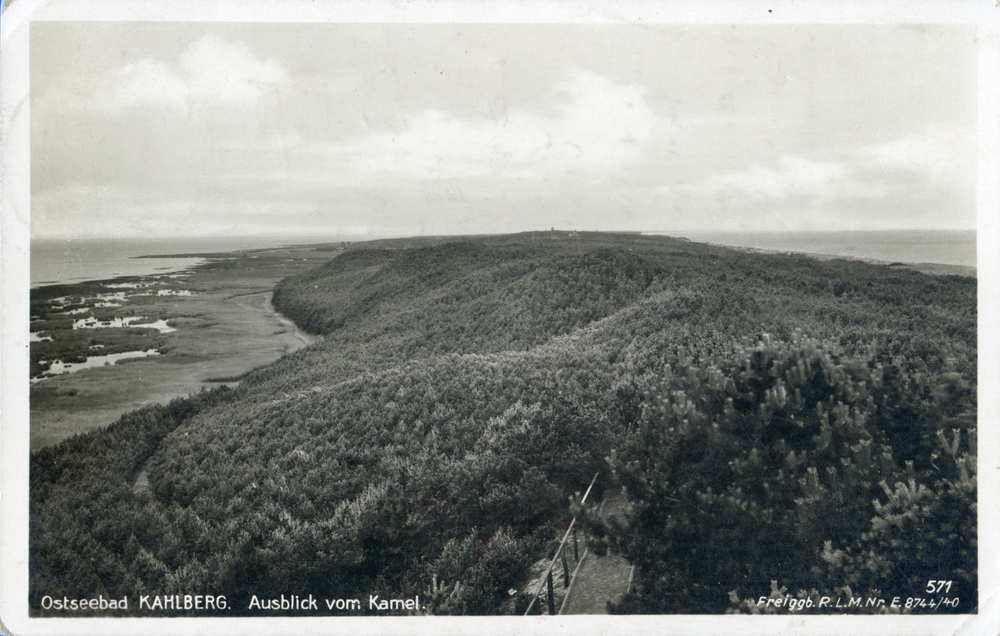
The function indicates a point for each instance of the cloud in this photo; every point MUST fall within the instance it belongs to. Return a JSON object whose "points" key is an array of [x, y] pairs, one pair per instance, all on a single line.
{"points": [[792, 176], [211, 71], [940, 154], [145, 82], [940, 160], [595, 127]]}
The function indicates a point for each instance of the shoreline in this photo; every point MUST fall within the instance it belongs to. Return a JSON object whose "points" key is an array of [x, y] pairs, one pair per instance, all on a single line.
{"points": [[214, 252], [216, 338], [932, 269], [224, 329]]}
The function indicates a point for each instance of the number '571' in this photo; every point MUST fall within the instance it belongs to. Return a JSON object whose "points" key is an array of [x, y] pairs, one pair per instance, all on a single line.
{"points": [[935, 587]]}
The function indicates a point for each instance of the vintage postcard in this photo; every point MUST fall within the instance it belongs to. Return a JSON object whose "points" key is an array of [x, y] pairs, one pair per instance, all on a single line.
{"points": [[488, 317]]}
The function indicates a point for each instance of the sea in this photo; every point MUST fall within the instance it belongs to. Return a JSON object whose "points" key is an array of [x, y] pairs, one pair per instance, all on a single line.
{"points": [[943, 247], [73, 261], [55, 262]]}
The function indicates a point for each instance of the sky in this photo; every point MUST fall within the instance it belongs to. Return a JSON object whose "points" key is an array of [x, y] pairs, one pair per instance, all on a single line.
{"points": [[221, 129]]}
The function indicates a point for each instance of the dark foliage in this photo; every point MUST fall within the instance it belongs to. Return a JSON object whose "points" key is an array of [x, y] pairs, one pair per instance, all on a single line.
{"points": [[778, 464], [463, 391]]}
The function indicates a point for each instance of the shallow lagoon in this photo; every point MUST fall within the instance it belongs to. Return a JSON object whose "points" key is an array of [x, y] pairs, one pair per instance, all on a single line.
{"points": [[118, 323], [59, 367]]}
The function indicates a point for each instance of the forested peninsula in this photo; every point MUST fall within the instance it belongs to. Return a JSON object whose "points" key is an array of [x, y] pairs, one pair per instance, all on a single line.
{"points": [[774, 421]]}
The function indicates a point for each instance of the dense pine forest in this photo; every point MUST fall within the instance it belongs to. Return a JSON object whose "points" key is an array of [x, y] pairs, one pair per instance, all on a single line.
{"points": [[769, 418]]}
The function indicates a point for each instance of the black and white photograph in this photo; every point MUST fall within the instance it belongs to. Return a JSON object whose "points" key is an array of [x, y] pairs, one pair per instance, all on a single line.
{"points": [[479, 317]]}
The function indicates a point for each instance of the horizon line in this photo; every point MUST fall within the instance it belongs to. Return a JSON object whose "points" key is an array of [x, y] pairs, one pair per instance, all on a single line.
{"points": [[320, 237]]}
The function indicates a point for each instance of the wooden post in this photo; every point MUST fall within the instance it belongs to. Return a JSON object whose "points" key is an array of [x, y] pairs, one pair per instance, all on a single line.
{"points": [[562, 544], [552, 597], [576, 553], [565, 571]]}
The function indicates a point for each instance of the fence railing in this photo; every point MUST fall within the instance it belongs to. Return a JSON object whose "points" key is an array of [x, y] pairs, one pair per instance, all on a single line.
{"points": [[547, 577]]}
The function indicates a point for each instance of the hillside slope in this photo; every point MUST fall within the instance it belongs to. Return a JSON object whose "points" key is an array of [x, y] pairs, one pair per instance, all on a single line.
{"points": [[464, 390]]}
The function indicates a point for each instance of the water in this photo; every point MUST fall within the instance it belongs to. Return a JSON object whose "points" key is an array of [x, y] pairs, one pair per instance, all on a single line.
{"points": [[60, 261], [73, 261], [120, 323], [59, 367], [944, 247]]}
